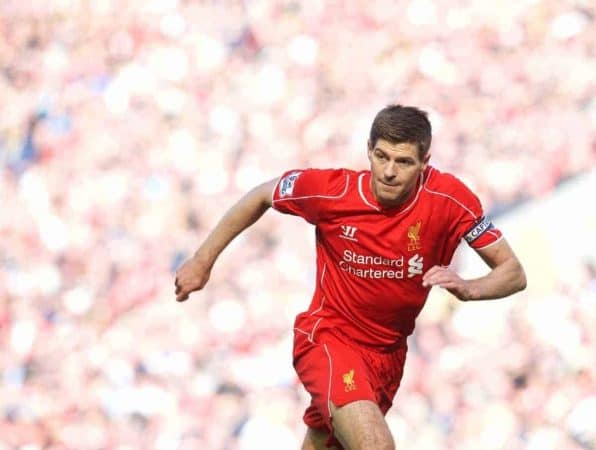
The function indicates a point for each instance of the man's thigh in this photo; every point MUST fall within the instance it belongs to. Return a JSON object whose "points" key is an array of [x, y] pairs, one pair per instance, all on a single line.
{"points": [[316, 439], [361, 425]]}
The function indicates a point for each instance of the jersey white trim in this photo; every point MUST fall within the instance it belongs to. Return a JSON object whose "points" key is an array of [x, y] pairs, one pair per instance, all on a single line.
{"points": [[452, 198], [302, 331], [310, 336], [494, 234], [329, 197], [323, 296], [330, 378], [323, 274], [314, 328], [500, 238], [320, 307], [364, 199]]}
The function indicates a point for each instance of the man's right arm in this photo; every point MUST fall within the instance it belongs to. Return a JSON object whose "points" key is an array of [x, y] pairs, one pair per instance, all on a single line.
{"points": [[194, 273]]}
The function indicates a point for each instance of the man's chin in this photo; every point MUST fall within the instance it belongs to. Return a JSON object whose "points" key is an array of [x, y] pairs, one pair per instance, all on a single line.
{"points": [[389, 200]]}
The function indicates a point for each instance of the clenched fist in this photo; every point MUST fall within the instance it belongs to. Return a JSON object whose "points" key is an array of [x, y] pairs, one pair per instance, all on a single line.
{"points": [[191, 276]]}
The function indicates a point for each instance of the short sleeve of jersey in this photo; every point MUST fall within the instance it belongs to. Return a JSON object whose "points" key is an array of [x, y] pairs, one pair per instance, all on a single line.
{"points": [[306, 193], [470, 223]]}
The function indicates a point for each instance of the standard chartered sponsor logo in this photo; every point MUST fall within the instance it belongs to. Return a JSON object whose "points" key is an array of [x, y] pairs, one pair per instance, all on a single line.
{"points": [[390, 268], [352, 257], [415, 265]]}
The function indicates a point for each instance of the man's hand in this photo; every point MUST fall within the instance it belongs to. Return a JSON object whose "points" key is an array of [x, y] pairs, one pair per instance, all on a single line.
{"points": [[191, 276], [194, 273], [447, 279]]}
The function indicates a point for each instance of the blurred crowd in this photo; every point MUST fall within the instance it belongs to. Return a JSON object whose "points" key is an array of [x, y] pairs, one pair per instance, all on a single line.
{"points": [[128, 127]]}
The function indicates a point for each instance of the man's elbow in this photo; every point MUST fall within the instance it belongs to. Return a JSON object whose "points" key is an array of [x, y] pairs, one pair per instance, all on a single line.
{"points": [[521, 280]]}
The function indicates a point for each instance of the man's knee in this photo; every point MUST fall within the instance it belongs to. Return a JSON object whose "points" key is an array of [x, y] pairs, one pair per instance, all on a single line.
{"points": [[361, 425]]}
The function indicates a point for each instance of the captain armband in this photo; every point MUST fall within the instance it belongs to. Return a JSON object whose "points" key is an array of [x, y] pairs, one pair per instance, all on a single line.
{"points": [[478, 230]]}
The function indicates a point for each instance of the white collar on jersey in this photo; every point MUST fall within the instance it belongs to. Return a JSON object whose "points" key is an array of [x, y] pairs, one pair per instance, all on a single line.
{"points": [[365, 200]]}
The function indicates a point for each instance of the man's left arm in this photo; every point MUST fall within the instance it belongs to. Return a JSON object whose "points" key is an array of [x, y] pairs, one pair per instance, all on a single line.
{"points": [[506, 277]]}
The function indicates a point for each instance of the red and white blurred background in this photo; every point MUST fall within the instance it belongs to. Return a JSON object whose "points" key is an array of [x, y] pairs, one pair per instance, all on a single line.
{"points": [[127, 127]]}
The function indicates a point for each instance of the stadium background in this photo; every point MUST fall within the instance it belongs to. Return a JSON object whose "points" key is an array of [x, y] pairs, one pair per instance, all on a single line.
{"points": [[127, 128]]}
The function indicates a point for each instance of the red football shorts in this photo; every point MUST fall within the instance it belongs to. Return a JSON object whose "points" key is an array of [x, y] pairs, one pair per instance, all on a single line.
{"points": [[333, 369]]}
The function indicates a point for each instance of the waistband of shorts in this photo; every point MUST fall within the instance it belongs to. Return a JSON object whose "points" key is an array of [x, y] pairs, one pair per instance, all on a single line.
{"points": [[400, 345]]}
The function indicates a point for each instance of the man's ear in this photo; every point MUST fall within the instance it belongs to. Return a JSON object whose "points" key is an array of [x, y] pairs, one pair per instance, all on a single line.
{"points": [[370, 149], [425, 161]]}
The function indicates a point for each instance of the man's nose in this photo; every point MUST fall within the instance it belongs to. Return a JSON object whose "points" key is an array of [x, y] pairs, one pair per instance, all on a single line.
{"points": [[390, 170]]}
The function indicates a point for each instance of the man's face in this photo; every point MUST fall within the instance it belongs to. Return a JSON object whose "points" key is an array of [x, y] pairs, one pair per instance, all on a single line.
{"points": [[395, 169]]}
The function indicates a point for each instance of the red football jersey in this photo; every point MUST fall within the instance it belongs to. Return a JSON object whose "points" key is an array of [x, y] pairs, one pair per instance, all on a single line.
{"points": [[370, 258]]}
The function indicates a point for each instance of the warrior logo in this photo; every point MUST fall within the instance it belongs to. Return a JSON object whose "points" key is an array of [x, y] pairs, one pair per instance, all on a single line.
{"points": [[348, 232]]}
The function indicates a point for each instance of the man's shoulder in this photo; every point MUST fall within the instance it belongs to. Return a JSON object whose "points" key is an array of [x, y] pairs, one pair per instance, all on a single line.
{"points": [[329, 179], [330, 172], [444, 187], [316, 182], [444, 182]]}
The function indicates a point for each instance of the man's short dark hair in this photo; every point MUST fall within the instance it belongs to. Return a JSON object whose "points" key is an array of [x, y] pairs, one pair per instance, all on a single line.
{"points": [[399, 124]]}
